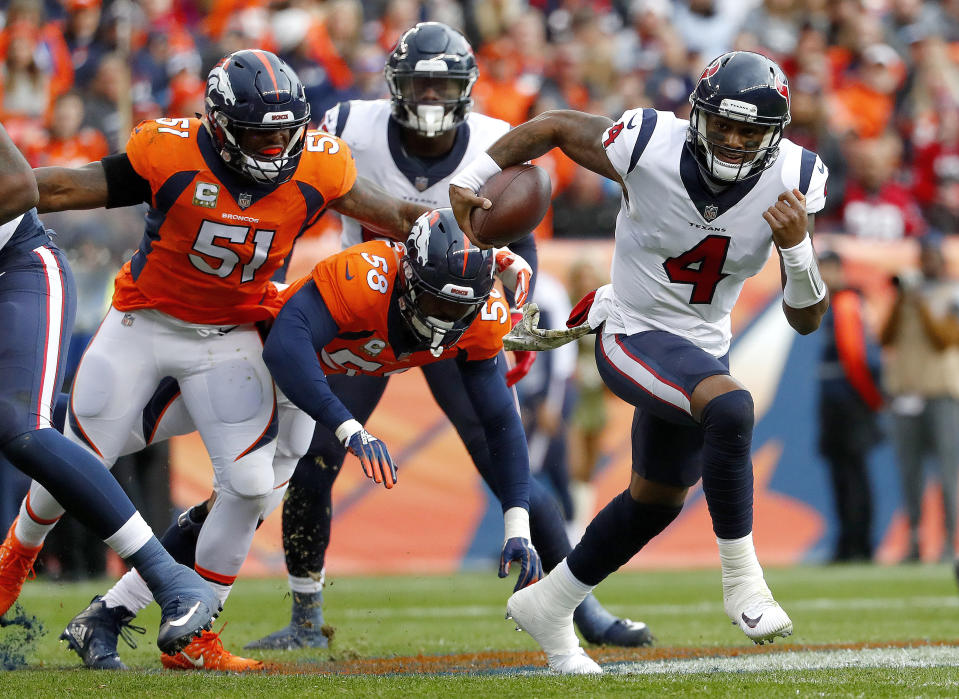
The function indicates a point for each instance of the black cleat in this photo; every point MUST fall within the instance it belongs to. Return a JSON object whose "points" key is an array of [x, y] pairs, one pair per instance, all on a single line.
{"points": [[601, 628], [188, 606], [92, 634], [625, 633]]}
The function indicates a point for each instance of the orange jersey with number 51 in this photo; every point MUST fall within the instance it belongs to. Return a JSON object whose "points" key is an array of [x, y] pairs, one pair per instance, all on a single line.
{"points": [[357, 286], [214, 239]]}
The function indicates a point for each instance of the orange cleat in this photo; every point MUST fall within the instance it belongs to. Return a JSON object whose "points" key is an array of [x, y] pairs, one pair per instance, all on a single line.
{"points": [[16, 565], [207, 653]]}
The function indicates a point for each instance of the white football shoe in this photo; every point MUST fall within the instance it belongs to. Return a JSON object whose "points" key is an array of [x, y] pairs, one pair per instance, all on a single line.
{"points": [[750, 605], [554, 633]]}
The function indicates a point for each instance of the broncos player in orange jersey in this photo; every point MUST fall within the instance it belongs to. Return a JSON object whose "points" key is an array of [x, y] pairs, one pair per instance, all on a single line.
{"points": [[229, 194], [375, 309]]}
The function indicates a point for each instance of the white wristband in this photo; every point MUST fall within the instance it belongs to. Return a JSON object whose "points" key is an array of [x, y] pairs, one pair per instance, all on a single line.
{"points": [[474, 175], [347, 430], [516, 524], [804, 287]]}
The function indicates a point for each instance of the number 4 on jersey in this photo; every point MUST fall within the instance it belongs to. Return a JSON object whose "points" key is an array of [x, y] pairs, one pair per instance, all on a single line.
{"points": [[701, 266]]}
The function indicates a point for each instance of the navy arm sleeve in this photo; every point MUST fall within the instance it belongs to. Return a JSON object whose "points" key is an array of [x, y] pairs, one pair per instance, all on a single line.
{"points": [[494, 405], [302, 328]]}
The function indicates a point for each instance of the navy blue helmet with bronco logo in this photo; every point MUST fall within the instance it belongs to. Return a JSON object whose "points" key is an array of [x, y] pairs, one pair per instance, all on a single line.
{"points": [[742, 86], [444, 280], [253, 89]]}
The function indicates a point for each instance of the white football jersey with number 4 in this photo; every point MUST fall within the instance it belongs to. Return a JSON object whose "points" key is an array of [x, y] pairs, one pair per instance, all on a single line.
{"points": [[683, 253], [380, 157]]}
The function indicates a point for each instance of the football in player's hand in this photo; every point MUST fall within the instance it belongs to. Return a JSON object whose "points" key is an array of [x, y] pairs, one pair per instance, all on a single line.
{"points": [[520, 196]]}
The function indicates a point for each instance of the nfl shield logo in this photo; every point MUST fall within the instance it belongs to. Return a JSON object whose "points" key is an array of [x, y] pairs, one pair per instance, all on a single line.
{"points": [[422, 184], [710, 212], [245, 200]]}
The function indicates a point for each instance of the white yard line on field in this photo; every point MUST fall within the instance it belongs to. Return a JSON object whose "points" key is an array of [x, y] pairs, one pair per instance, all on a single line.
{"points": [[896, 658]]}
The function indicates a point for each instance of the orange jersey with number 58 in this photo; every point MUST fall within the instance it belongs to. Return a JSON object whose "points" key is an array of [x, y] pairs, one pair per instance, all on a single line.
{"points": [[357, 286], [214, 239]]}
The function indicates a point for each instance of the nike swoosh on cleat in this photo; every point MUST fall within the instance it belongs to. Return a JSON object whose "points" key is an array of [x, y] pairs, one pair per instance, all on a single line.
{"points": [[751, 623], [194, 663], [186, 617]]}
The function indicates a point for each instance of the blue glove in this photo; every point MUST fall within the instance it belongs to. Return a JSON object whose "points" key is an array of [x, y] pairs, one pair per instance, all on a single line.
{"points": [[374, 457], [519, 549]]}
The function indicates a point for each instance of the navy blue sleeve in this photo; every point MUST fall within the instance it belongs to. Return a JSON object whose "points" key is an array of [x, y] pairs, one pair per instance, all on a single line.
{"points": [[525, 248], [494, 405], [302, 328]]}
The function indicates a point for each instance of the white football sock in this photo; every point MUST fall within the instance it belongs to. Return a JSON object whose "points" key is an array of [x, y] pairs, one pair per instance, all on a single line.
{"points": [[560, 590], [130, 591], [738, 558], [29, 531], [308, 586]]}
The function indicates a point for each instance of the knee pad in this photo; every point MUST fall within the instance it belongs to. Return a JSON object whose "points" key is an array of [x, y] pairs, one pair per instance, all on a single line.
{"points": [[236, 393], [248, 477], [730, 415]]}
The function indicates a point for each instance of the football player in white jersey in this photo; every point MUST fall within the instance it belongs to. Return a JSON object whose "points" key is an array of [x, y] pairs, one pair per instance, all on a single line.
{"points": [[411, 145], [704, 204]]}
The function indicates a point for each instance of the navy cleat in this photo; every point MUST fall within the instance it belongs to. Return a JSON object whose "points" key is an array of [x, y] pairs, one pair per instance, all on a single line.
{"points": [[601, 628], [188, 607], [92, 634], [305, 629]]}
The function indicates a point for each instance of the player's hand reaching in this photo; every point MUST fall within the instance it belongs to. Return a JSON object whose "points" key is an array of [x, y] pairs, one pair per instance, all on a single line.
{"points": [[372, 453], [788, 219], [515, 273], [519, 549]]}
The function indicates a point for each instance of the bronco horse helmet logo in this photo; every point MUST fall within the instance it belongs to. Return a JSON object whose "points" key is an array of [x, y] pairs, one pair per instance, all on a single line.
{"points": [[219, 81]]}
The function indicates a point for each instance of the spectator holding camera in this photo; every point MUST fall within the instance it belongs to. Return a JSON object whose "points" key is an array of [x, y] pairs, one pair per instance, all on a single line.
{"points": [[921, 372]]}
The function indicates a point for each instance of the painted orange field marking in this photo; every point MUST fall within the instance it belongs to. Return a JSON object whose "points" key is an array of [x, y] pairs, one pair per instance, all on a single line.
{"points": [[501, 660]]}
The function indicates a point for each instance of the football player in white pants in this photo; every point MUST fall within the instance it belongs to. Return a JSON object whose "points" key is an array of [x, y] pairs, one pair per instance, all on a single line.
{"points": [[704, 203], [229, 193], [295, 430]]}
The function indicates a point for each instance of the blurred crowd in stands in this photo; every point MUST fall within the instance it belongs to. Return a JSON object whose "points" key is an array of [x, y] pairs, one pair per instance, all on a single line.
{"points": [[874, 86], [874, 83]]}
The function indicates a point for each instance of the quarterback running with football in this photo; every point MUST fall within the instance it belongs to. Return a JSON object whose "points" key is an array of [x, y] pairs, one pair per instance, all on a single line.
{"points": [[704, 203], [229, 194]]}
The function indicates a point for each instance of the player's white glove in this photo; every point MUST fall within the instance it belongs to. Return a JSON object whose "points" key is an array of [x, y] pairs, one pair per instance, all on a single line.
{"points": [[527, 335], [515, 273]]}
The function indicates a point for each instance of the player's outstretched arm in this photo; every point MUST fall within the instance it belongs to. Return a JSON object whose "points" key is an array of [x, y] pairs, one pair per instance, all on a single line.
{"points": [[510, 476], [69, 188], [578, 134], [17, 182], [805, 297], [378, 209]]}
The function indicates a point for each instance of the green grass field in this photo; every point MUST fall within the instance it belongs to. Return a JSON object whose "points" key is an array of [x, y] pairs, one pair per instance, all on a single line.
{"points": [[398, 617]]}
